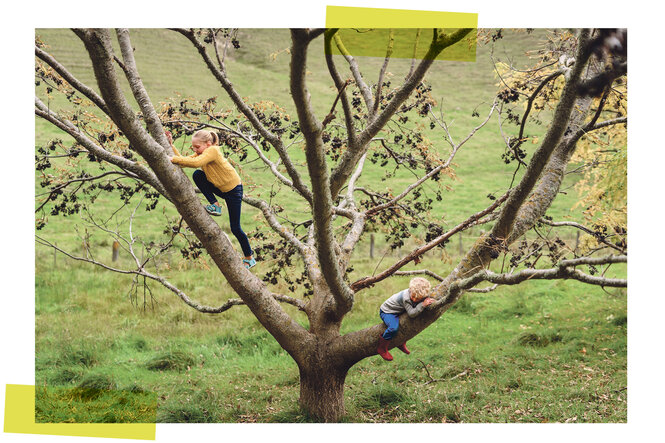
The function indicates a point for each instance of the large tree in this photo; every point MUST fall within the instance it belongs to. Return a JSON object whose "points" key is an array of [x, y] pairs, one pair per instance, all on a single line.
{"points": [[577, 79]]}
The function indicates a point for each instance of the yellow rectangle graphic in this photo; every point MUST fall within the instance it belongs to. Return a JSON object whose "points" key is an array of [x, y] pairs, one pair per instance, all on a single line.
{"points": [[398, 33], [20, 419]]}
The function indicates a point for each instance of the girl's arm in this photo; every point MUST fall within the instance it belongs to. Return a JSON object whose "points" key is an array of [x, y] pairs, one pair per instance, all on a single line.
{"points": [[196, 161], [169, 137]]}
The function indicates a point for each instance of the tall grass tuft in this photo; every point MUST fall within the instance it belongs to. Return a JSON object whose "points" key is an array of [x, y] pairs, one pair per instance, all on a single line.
{"points": [[171, 361]]}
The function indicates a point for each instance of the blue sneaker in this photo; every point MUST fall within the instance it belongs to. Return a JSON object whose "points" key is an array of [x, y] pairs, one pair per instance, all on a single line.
{"points": [[214, 210], [249, 263]]}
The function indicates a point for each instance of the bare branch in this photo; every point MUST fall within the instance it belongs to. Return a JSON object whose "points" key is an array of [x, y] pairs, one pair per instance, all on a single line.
{"points": [[379, 84], [65, 125], [563, 270], [415, 52], [357, 76], [340, 85], [271, 218], [533, 96], [352, 155], [73, 81], [369, 281], [182, 295], [420, 272], [582, 228], [433, 172], [606, 123]]}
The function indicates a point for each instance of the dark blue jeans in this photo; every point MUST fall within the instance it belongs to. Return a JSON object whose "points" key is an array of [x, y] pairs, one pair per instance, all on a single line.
{"points": [[392, 323], [233, 200]]}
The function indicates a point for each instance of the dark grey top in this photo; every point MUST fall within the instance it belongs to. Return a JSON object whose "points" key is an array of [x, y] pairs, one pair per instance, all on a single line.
{"points": [[400, 303]]}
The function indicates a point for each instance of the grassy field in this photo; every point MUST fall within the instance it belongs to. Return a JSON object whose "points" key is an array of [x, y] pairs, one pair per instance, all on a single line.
{"points": [[539, 352]]}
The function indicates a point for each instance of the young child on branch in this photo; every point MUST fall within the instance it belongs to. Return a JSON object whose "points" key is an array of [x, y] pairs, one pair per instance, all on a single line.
{"points": [[412, 301], [216, 177]]}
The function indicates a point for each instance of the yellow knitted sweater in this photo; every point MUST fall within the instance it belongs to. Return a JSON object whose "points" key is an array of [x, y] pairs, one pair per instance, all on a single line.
{"points": [[216, 168]]}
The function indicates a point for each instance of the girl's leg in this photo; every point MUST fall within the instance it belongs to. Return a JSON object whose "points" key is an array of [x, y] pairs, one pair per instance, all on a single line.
{"points": [[207, 189], [233, 200]]}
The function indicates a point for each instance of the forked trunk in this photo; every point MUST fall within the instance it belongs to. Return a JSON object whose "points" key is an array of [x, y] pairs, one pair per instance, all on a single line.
{"points": [[322, 392]]}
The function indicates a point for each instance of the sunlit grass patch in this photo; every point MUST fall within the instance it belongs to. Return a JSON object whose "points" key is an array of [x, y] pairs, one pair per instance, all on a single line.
{"points": [[103, 403]]}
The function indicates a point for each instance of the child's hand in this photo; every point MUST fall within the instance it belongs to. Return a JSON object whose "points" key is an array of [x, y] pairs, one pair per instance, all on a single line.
{"points": [[169, 137], [428, 301]]}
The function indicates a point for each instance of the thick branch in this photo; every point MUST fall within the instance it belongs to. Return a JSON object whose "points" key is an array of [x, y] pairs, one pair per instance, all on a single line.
{"points": [[564, 108], [138, 90], [322, 206]]}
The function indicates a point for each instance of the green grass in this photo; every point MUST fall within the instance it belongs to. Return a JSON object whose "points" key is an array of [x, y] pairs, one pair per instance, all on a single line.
{"points": [[538, 352]]}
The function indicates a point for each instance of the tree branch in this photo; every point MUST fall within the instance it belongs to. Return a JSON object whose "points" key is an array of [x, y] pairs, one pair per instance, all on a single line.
{"points": [[322, 207], [73, 81], [253, 291], [138, 90], [341, 88], [164, 282], [539, 160], [371, 280], [433, 172], [582, 228], [357, 76], [379, 84], [563, 270], [352, 155], [65, 125]]}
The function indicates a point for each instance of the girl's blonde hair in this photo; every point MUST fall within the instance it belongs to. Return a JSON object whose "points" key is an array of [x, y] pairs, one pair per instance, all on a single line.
{"points": [[419, 288], [206, 136]]}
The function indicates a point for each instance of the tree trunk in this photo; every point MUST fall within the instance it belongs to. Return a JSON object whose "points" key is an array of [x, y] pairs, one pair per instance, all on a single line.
{"points": [[322, 392]]}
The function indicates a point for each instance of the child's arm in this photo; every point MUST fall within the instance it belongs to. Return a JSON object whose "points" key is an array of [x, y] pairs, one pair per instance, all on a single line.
{"points": [[414, 312], [169, 137], [197, 161]]}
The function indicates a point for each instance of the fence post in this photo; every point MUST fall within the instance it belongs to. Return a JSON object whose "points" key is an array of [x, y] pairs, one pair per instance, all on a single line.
{"points": [[116, 250], [371, 245], [577, 241]]}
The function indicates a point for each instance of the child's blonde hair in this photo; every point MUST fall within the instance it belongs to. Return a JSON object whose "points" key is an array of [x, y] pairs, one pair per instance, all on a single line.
{"points": [[419, 288], [206, 136]]}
